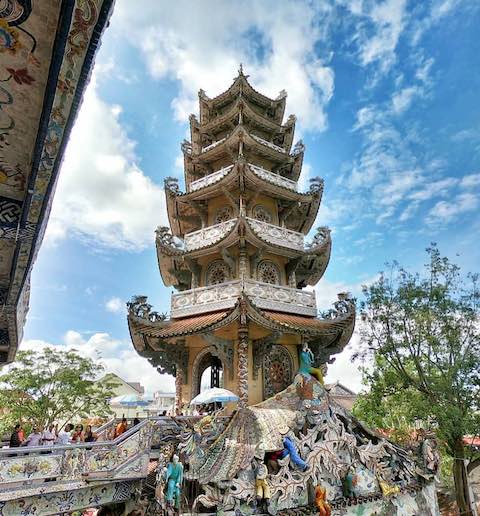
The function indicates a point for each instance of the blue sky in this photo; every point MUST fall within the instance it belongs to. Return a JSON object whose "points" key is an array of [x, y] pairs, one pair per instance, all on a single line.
{"points": [[386, 95]]}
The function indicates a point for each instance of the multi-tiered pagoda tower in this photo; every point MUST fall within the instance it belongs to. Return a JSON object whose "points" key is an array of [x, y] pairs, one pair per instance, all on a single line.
{"points": [[237, 256]]}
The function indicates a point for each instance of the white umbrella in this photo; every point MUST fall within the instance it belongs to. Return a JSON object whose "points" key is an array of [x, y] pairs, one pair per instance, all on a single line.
{"points": [[214, 395]]}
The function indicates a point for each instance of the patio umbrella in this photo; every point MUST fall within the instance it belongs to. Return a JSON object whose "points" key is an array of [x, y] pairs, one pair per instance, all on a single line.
{"points": [[132, 400], [214, 395]]}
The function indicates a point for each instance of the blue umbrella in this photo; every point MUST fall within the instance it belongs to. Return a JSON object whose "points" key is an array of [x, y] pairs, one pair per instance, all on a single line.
{"points": [[132, 400]]}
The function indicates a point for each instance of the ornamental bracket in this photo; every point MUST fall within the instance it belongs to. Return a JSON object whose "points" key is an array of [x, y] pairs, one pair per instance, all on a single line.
{"points": [[169, 358]]}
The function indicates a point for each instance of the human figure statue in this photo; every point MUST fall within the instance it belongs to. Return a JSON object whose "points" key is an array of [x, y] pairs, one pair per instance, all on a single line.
{"points": [[291, 450], [262, 489], [174, 478], [324, 508], [348, 483], [306, 364]]}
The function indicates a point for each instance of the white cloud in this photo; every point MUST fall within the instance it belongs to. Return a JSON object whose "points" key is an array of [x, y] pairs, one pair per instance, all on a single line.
{"points": [[402, 99], [434, 189], [204, 49], [102, 195], [446, 211], [377, 39], [343, 369], [116, 356], [115, 305], [470, 181]]}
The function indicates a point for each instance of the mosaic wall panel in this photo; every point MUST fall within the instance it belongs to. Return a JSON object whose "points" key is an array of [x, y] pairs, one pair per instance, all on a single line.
{"points": [[47, 50], [66, 501]]}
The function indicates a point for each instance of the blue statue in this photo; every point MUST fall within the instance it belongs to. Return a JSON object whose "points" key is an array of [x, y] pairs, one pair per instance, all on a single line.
{"points": [[291, 449], [174, 478], [306, 364]]}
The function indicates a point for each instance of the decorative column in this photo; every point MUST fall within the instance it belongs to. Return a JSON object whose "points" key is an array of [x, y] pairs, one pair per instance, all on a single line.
{"points": [[243, 366], [179, 379]]}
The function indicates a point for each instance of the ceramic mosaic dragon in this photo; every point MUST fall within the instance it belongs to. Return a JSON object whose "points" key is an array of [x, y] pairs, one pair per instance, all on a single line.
{"points": [[307, 440]]}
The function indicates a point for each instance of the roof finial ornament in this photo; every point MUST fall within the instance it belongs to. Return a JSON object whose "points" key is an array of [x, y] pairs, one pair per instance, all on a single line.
{"points": [[240, 70]]}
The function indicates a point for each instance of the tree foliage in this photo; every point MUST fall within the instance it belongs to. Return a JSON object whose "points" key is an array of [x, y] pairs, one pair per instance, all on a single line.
{"points": [[423, 334], [43, 387]]}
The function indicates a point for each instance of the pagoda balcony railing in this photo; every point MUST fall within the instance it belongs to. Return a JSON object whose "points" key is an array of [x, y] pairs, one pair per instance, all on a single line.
{"points": [[214, 144], [225, 295], [270, 233], [210, 179], [209, 235], [271, 177], [268, 144], [277, 235]]}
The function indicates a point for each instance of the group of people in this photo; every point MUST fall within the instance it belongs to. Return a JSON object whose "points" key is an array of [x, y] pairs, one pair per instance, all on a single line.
{"points": [[52, 435]]}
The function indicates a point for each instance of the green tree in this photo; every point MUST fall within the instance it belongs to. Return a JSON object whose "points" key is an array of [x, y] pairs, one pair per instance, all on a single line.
{"points": [[51, 386], [423, 333]]}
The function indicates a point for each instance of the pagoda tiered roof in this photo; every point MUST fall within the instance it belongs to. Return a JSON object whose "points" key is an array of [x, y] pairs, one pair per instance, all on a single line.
{"points": [[326, 336], [312, 258], [241, 111], [212, 107], [184, 209]]}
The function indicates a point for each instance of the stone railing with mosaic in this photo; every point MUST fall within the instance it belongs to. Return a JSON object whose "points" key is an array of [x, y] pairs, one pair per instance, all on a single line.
{"points": [[125, 457], [271, 177], [225, 295], [208, 236], [277, 235], [209, 179]]}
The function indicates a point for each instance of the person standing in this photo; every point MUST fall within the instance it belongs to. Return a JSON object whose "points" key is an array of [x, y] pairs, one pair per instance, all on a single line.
{"points": [[121, 428], [90, 437], [34, 439], [78, 436], [49, 436], [15, 438], [64, 435]]}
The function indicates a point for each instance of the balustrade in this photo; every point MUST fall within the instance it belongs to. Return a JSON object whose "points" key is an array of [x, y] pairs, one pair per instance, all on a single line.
{"points": [[212, 145], [268, 144], [125, 457], [209, 235], [225, 295], [273, 178], [208, 180], [277, 235]]}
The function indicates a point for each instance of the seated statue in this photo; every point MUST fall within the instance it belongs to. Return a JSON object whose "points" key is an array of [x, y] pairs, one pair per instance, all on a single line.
{"points": [[306, 364], [174, 478]]}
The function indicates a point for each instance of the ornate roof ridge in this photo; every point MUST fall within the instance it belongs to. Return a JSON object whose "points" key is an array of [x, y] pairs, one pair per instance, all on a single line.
{"points": [[241, 78], [223, 174], [235, 110], [341, 315], [291, 156], [145, 322], [274, 236]]}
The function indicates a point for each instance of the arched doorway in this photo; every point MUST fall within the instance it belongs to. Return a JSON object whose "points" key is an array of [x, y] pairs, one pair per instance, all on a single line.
{"points": [[208, 371], [212, 374]]}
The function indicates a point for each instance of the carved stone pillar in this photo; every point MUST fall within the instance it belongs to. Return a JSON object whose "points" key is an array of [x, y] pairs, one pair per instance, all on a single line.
{"points": [[179, 379], [243, 366]]}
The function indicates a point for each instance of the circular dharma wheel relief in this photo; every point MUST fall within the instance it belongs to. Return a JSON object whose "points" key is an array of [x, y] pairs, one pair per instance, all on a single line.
{"points": [[217, 272], [223, 214], [262, 214], [267, 272], [277, 371]]}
